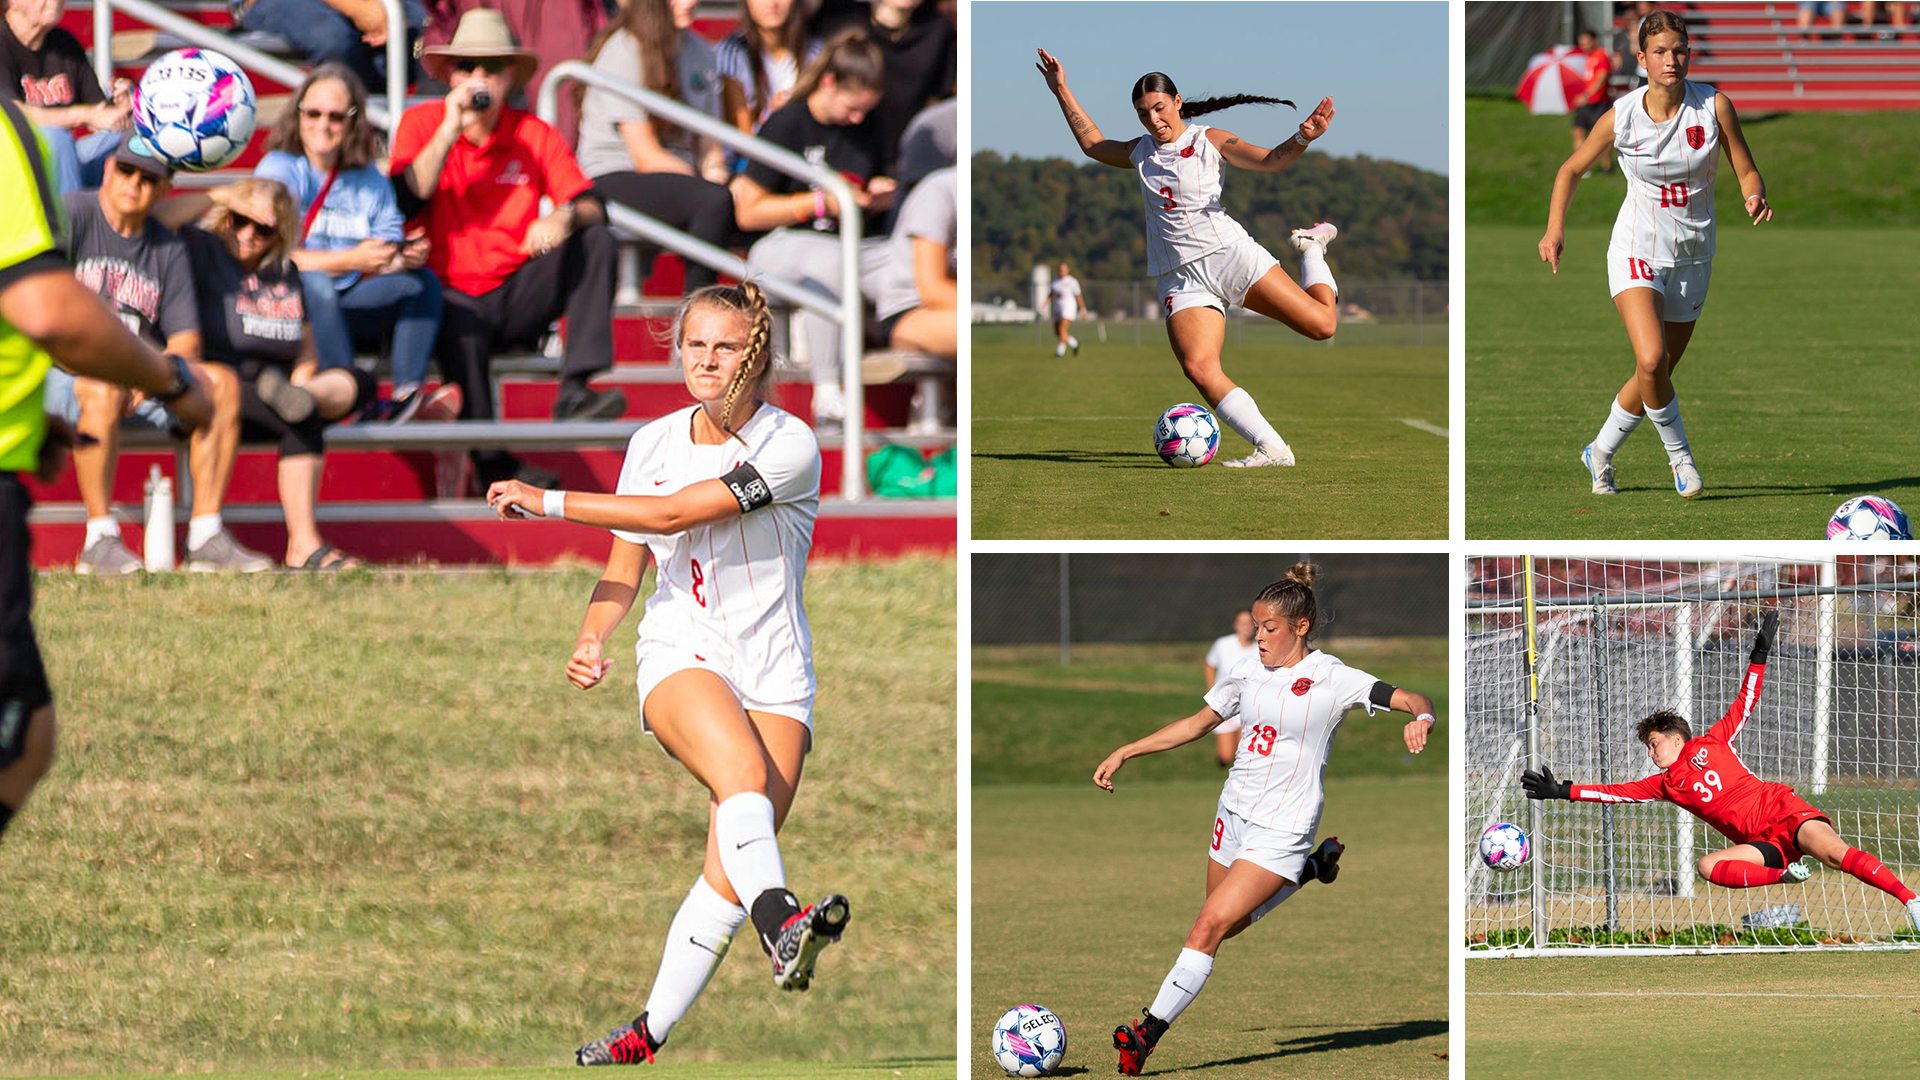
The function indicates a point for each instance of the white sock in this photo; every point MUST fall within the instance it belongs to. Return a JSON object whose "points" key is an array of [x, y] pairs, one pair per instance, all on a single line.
{"points": [[1613, 433], [1059, 350], [1243, 416], [1183, 984], [1673, 433], [1314, 269], [743, 829], [202, 529], [102, 527], [1072, 342], [696, 942], [1273, 901]]}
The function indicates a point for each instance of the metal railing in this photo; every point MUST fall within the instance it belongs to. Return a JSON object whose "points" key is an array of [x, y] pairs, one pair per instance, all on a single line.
{"points": [[282, 71], [846, 310]]}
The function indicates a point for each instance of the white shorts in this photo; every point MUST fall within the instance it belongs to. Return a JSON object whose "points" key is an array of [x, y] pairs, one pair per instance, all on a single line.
{"points": [[1235, 838], [655, 663], [1218, 280], [1685, 287]]}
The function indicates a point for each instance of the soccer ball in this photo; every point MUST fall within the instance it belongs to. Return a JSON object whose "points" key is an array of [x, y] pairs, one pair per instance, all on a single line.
{"points": [[194, 109], [1869, 517], [1186, 436], [1504, 846], [1029, 1041]]}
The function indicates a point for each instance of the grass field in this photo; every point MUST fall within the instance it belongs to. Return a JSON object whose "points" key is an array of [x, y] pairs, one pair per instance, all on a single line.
{"points": [[1816, 1017], [1081, 899], [1807, 335], [326, 824], [1063, 448]]}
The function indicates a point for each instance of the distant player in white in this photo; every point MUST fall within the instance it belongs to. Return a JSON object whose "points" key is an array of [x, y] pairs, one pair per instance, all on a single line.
{"points": [[1067, 306], [1202, 260], [1289, 701], [1667, 135], [1225, 653], [721, 496]]}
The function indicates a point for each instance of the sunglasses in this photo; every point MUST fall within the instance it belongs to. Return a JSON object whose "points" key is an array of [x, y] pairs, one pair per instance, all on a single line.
{"points": [[259, 229], [494, 65], [328, 115], [125, 171]]}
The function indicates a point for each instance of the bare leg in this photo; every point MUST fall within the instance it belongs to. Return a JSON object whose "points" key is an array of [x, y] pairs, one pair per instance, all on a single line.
{"points": [[17, 780], [101, 405], [333, 391], [929, 330], [1230, 901], [299, 476], [1657, 348], [1197, 335], [212, 450], [1312, 313]]}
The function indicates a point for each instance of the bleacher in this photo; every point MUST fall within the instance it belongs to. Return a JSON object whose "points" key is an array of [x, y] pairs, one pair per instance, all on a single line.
{"points": [[395, 493], [1758, 54]]}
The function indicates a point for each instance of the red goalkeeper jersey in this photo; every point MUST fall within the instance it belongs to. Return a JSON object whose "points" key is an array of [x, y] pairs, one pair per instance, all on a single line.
{"points": [[1710, 781]]}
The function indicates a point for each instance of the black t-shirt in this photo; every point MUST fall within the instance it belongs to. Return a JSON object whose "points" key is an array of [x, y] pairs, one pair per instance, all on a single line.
{"points": [[54, 75], [922, 66], [244, 316], [145, 279], [853, 152]]}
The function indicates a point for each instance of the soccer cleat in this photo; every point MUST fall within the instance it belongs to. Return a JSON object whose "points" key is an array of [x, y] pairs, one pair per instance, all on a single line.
{"points": [[803, 936], [1322, 234], [1325, 860], [1796, 872], [1074, 344], [1262, 456], [624, 1045], [1686, 478], [1913, 912], [1134, 1044], [107, 556], [1601, 469]]}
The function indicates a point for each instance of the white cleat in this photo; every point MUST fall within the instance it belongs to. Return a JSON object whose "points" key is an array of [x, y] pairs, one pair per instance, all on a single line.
{"points": [[1321, 234], [1796, 872], [1262, 456], [1601, 469], [1686, 478], [1913, 912]]}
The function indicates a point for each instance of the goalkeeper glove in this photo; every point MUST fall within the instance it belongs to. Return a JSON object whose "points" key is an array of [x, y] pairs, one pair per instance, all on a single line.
{"points": [[1763, 641], [1542, 785]]}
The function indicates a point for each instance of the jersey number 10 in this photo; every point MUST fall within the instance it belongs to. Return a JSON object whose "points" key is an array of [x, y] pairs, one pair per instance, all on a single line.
{"points": [[1673, 194]]}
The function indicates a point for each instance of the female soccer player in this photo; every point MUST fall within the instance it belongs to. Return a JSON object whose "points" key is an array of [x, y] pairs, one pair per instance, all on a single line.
{"points": [[1228, 650], [1067, 306], [721, 496], [1203, 261], [1289, 701], [1770, 826], [1660, 259]]}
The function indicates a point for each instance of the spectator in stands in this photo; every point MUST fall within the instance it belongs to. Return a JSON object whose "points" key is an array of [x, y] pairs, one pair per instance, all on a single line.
{"points": [[552, 30], [654, 166], [366, 278], [1594, 98], [916, 303], [929, 143], [1896, 14], [921, 49], [760, 62], [479, 170], [44, 68], [140, 268], [350, 32], [252, 319], [1835, 14], [829, 120]]}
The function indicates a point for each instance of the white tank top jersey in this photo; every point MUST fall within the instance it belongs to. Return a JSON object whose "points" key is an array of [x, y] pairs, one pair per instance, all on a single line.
{"points": [[1667, 218], [732, 592], [1287, 719], [1227, 651], [1181, 184], [1065, 290]]}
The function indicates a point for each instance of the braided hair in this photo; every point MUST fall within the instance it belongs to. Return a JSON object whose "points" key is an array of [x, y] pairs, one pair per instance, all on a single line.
{"points": [[747, 302], [1292, 597], [1154, 82]]}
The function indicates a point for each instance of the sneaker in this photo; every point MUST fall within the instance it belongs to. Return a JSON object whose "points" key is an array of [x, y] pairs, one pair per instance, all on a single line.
{"points": [[1913, 912], [222, 553], [108, 556], [589, 404], [801, 939], [628, 1044], [1686, 478], [289, 402], [442, 405], [1321, 234], [1134, 1044], [1325, 861], [1262, 456], [1796, 872], [1601, 469]]}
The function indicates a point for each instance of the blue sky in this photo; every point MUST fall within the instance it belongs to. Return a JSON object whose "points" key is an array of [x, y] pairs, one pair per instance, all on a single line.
{"points": [[1384, 65]]}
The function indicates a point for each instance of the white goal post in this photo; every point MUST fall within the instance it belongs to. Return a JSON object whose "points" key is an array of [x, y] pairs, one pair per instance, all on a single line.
{"points": [[1612, 640]]}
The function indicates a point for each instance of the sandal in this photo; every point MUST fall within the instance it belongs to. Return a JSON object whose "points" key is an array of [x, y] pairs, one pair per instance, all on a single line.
{"points": [[317, 562]]}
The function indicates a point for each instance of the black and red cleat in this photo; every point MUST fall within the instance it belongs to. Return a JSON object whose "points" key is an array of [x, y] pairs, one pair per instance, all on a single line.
{"points": [[629, 1044], [1134, 1044], [1324, 863]]}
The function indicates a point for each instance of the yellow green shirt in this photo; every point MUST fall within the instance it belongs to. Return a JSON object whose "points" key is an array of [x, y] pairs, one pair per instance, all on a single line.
{"points": [[33, 237]]}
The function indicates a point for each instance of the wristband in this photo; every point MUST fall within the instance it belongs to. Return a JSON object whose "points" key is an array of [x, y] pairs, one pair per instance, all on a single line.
{"points": [[554, 505], [1428, 717], [182, 379], [819, 204], [1302, 139]]}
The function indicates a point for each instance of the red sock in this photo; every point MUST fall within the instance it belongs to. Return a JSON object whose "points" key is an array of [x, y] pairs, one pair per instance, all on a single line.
{"points": [[1735, 874], [1875, 873]]}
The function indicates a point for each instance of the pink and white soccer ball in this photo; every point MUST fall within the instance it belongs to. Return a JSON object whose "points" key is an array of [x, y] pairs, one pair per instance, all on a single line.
{"points": [[194, 108], [1504, 846], [1029, 1041], [1869, 517], [1186, 435]]}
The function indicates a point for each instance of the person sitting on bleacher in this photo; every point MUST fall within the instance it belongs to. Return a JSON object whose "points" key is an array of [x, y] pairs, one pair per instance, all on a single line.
{"points": [[478, 171], [916, 303], [45, 69], [921, 48], [139, 267], [366, 280], [760, 62], [253, 320], [350, 32], [829, 121], [657, 168]]}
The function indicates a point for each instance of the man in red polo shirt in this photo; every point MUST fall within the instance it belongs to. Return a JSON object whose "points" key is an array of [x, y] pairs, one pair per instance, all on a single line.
{"points": [[1594, 99], [480, 169]]}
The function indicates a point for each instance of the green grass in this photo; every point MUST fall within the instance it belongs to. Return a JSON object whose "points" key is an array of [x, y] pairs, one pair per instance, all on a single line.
{"points": [[1817, 1017], [1064, 448], [363, 823], [902, 1069]]}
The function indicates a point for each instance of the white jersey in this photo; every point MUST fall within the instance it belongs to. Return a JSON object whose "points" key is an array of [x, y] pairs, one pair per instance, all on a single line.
{"points": [[1287, 719], [1181, 183], [1227, 651], [731, 592], [1066, 297], [1667, 218]]}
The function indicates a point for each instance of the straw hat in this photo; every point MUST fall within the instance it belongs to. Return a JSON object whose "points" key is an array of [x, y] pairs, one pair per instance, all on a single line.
{"points": [[481, 35]]}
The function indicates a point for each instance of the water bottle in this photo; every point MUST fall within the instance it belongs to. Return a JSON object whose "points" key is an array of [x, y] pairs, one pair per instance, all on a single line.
{"points": [[159, 538]]}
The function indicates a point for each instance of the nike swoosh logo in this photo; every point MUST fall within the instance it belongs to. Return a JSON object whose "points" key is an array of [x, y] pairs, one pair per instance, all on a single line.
{"points": [[657, 483], [755, 840], [1182, 989], [698, 944]]}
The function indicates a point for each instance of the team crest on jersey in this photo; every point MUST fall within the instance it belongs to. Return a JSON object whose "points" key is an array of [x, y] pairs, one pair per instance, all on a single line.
{"points": [[1188, 152], [1696, 137], [1301, 686], [1699, 759]]}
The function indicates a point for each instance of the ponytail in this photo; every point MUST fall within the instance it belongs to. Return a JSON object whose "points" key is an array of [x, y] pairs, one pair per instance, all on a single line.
{"points": [[1154, 82]]}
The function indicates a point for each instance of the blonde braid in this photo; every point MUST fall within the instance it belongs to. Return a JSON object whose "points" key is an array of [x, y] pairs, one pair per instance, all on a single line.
{"points": [[755, 364]]}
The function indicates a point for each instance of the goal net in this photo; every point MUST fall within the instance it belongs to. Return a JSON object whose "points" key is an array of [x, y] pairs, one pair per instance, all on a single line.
{"points": [[1838, 719]]}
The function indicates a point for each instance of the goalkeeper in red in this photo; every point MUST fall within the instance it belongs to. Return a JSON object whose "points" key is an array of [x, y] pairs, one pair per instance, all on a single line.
{"points": [[1770, 826]]}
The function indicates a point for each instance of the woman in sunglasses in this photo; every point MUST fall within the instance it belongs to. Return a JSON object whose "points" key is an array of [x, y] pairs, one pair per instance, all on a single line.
{"points": [[366, 278]]}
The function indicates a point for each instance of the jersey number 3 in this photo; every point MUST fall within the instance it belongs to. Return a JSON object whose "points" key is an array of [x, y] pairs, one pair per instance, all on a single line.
{"points": [[1167, 194]]}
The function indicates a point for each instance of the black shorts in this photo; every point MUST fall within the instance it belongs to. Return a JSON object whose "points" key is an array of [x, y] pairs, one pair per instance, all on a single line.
{"points": [[883, 328], [23, 678], [1585, 116]]}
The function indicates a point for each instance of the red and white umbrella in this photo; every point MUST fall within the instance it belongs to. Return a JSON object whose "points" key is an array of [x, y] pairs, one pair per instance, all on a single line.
{"points": [[1544, 93]]}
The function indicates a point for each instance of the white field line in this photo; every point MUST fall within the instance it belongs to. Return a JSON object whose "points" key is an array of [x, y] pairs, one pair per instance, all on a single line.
{"points": [[1431, 429], [1666, 993]]}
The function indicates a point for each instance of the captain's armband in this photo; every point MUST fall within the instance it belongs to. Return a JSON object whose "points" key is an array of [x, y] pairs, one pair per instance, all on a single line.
{"points": [[1381, 696], [748, 487]]}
